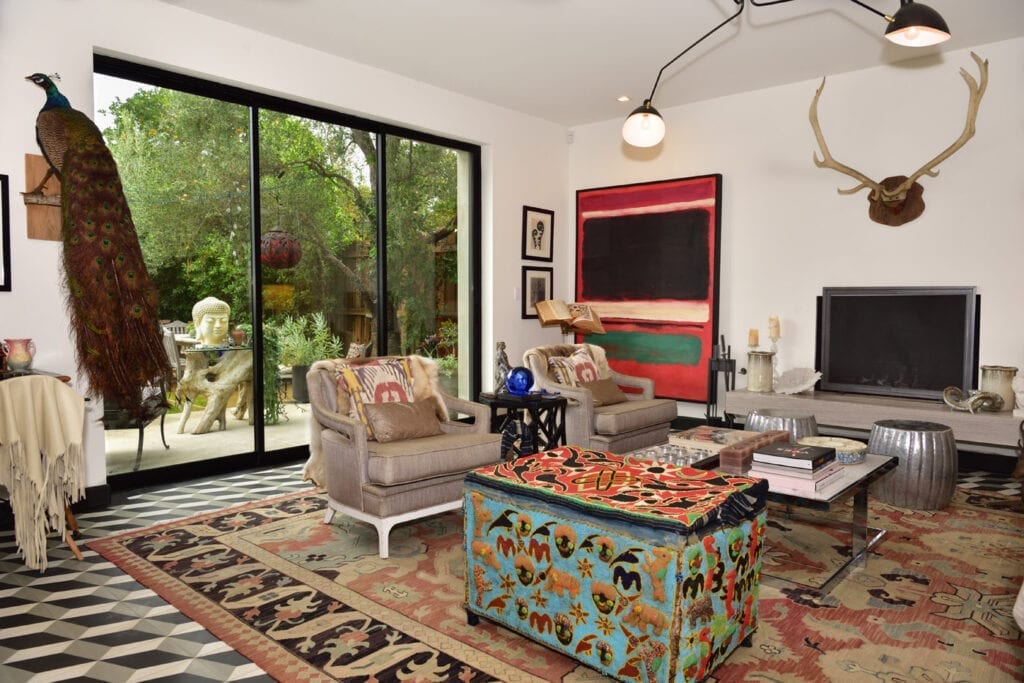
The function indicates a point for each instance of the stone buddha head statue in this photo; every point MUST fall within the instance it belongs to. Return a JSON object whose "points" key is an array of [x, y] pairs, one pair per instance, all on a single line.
{"points": [[210, 317]]}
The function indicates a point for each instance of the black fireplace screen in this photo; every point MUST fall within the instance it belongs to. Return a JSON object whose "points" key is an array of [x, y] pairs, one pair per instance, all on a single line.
{"points": [[898, 341]]}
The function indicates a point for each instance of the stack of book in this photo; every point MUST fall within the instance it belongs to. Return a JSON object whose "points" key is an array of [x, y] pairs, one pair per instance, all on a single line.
{"points": [[796, 467]]}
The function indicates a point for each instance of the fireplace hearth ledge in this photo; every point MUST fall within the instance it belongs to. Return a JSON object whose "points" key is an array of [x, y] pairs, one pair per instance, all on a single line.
{"points": [[860, 411]]}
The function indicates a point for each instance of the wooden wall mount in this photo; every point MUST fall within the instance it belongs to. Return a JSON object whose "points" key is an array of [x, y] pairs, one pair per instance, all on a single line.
{"points": [[42, 211]]}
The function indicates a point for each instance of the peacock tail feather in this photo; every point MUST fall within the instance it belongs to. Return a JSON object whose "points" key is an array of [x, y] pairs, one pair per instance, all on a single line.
{"points": [[111, 300]]}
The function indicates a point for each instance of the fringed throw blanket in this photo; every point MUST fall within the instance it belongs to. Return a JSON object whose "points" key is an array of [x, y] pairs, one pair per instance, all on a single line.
{"points": [[41, 458]]}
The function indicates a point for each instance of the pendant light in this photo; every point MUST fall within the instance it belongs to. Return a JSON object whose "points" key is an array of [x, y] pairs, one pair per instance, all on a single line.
{"points": [[913, 25]]}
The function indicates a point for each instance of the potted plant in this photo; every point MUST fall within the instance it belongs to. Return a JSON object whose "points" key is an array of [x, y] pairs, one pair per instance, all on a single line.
{"points": [[304, 340]]}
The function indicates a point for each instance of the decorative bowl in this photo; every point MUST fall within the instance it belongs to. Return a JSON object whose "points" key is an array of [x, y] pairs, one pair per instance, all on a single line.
{"points": [[848, 451]]}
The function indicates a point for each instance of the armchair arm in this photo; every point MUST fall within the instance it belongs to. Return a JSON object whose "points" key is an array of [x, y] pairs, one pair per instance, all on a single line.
{"points": [[480, 413], [645, 384], [338, 455], [579, 409]]}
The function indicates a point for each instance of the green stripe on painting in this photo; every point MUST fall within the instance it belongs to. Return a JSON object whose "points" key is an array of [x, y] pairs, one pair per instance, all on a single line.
{"points": [[646, 347]]}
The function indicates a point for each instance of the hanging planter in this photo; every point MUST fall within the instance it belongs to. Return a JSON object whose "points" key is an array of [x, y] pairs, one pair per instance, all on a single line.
{"points": [[278, 298], [280, 249]]}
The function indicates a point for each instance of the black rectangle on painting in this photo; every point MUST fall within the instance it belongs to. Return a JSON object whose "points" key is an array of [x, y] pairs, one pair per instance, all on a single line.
{"points": [[647, 256]]}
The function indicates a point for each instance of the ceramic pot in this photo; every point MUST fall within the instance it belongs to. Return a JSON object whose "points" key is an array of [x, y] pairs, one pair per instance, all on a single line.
{"points": [[998, 379], [759, 371], [19, 353]]}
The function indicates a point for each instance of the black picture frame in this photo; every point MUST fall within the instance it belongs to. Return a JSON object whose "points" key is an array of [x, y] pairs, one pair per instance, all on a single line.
{"points": [[537, 286], [538, 233], [5, 235]]}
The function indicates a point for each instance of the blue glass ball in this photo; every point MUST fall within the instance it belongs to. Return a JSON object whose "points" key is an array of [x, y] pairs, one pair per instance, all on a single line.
{"points": [[518, 381]]}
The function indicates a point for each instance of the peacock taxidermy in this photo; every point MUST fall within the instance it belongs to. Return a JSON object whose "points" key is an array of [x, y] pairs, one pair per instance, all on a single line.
{"points": [[110, 298]]}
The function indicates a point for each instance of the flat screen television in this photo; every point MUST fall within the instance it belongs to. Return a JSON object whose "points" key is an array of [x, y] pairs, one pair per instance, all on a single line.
{"points": [[898, 341]]}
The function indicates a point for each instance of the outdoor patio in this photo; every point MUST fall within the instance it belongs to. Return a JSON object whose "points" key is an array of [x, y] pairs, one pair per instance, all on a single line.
{"points": [[188, 447]]}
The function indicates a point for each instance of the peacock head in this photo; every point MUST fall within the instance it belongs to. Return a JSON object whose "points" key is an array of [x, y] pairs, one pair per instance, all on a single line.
{"points": [[43, 81]]}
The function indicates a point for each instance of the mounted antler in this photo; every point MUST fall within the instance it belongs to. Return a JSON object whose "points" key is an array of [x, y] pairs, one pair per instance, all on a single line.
{"points": [[898, 199]]}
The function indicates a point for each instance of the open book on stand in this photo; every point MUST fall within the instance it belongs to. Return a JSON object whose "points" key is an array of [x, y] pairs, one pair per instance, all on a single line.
{"points": [[572, 317]]}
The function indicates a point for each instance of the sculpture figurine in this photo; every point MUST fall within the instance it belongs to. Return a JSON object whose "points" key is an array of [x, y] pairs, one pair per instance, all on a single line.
{"points": [[210, 317], [501, 367]]}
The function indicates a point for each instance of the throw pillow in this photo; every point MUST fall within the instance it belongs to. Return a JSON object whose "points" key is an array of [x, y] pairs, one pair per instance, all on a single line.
{"points": [[402, 420], [381, 381], [605, 392], [561, 370], [586, 369], [573, 370]]}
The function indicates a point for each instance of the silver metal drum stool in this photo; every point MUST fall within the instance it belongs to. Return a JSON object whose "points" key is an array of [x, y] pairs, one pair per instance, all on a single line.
{"points": [[926, 476], [798, 425]]}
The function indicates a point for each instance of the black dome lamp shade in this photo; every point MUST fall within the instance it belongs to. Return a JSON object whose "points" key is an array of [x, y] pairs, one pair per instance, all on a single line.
{"points": [[917, 25]]}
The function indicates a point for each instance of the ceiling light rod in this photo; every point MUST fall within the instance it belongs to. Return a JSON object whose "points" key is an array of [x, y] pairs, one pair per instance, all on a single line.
{"points": [[913, 25], [695, 44], [644, 126]]}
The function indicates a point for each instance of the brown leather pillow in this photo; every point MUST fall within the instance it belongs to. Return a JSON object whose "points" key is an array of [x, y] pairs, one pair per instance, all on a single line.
{"points": [[606, 392], [397, 420]]}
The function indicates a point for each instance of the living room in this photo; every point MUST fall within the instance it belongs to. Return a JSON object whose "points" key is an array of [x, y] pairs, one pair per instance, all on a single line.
{"points": [[786, 233]]}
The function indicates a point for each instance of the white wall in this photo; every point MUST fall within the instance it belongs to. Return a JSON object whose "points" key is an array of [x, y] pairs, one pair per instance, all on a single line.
{"points": [[524, 159], [786, 233]]}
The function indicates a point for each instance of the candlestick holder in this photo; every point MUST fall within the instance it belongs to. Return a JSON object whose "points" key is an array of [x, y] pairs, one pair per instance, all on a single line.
{"points": [[775, 360]]}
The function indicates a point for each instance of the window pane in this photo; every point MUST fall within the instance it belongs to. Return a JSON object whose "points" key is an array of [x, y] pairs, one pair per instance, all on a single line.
{"points": [[184, 164], [319, 215], [427, 232]]}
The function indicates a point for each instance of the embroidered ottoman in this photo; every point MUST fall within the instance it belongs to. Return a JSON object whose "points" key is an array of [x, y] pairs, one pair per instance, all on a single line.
{"points": [[640, 570]]}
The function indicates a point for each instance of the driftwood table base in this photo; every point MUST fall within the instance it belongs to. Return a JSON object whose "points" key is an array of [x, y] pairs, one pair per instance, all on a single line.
{"points": [[217, 378]]}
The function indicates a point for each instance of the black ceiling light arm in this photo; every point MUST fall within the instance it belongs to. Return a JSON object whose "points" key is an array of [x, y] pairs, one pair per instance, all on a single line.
{"points": [[698, 42], [913, 25]]}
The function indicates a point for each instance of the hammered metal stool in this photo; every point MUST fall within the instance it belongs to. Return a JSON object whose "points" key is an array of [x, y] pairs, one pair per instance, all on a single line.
{"points": [[926, 476], [798, 425]]}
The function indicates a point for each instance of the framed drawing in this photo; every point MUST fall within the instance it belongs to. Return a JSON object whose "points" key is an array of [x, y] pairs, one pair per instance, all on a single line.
{"points": [[647, 259], [5, 236], [538, 226], [536, 287]]}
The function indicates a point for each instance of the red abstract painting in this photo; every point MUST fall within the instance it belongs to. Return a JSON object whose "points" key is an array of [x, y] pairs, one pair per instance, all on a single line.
{"points": [[647, 259]]}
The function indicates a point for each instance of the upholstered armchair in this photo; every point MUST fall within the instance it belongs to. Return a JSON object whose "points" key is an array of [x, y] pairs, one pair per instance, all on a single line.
{"points": [[382, 442], [599, 414]]}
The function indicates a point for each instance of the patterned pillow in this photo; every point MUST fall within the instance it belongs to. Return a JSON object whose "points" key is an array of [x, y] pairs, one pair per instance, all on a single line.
{"points": [[573, 370], [381, 381]]}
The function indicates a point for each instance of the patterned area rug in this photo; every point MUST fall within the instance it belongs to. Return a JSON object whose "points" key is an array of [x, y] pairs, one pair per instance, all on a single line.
{"points": [[308, 601]]}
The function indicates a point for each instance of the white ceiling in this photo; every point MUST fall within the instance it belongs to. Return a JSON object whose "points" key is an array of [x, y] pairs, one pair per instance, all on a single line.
{"points": [[567, 61]]}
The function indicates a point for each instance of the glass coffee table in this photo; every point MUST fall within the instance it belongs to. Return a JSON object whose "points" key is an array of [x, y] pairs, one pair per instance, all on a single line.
{"points": [[856, 480]]}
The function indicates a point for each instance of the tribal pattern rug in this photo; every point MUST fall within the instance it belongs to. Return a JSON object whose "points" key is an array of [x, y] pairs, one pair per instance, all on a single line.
{"points": [[308, 601]]}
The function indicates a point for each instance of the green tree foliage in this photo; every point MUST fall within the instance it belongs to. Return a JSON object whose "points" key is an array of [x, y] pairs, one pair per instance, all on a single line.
{"points": [[184, 161]]}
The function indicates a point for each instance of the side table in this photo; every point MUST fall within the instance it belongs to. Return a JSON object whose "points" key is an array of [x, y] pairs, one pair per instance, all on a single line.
{"points": [[528, 424]]}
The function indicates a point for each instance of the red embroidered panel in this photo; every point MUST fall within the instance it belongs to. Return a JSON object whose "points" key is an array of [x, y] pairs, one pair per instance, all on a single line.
{"points": [[684, 498]]}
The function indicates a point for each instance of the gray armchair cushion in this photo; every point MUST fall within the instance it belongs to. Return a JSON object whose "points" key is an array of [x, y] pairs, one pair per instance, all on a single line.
{"points": [[632, 415], [410, 460]]}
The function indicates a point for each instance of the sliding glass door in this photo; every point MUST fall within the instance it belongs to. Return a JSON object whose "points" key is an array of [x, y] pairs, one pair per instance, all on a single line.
{"points": [[184, 164], [326, 235]]}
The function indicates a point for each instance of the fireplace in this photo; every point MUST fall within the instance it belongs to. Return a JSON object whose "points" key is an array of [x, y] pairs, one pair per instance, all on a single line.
{"points": [[898, 341]]}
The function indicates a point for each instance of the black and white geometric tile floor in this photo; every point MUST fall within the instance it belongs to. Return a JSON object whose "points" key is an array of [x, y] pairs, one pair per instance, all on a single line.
{"points": [[88, 621]]}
